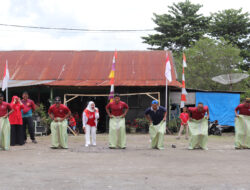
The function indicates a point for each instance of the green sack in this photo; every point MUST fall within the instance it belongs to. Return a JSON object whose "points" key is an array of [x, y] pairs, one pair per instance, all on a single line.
{"points": [[242, 131], [117, 132], [157, 135], [4, 133], [59, 135], [198, 133]]}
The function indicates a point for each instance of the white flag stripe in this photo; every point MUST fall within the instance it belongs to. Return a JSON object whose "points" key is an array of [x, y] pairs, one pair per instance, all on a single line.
{"points": [[183, 91], [6, 77], [182, 104], [168, 71], [112, 88], [183, 77], [184, 63]]}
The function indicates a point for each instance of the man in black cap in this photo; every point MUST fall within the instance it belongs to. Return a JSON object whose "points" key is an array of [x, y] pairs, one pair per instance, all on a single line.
{"points": [[59, 114]]}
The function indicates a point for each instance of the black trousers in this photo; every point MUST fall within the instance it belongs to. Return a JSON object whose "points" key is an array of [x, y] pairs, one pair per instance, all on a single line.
{"points": [[28, 122], [16, 137]]}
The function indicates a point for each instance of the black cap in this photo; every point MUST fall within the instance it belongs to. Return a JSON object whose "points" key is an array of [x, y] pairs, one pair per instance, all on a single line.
{"points": [[25, 92], [57, 99], [116, 95]]}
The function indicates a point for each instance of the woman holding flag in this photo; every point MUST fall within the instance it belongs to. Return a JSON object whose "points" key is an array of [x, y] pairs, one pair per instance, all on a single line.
{"points": [[16, 121]]}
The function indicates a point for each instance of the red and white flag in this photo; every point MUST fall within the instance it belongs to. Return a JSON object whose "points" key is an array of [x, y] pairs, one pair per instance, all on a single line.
{"points": [[183, 90], [168, 69], [6, 77]]}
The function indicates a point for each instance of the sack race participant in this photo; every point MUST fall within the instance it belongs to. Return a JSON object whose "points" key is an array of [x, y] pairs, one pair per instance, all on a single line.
{"points": [[29, 107], [59, 114], [5, 110], [198, 127], [156, 115], [117, 129], [89, 119], [16, 122], [242, 125]]}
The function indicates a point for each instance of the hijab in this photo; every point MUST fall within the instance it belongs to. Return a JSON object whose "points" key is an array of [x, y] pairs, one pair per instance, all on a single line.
{"points": [[89, 106]]}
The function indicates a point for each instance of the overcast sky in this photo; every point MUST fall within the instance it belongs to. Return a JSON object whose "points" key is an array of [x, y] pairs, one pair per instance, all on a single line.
{"points": [[89, 14]]}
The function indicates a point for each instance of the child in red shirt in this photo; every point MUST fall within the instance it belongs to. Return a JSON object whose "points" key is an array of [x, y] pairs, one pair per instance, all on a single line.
{"points": [[72, 123], [184, 119]]}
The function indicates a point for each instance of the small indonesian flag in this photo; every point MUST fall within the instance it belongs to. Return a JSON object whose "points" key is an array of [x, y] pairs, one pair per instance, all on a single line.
{"points": [[6, 77], [168, 69]]}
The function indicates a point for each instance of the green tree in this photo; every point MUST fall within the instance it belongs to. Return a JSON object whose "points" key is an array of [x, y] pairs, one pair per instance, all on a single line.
{"points": [[209, 58], [233, 26], [180, 28]]}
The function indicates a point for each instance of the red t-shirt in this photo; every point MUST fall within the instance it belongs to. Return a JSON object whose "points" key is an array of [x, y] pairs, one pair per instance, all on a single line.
{"points": [[195, 114], [184, 118], [4, 108], [28, 105], [60, 111], [117, 108], [243, 110], [72, 122], [91, 118], [15, 117]]}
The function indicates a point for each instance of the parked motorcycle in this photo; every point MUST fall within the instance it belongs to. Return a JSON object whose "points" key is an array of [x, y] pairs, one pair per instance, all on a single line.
{"points": [[214, 128]]}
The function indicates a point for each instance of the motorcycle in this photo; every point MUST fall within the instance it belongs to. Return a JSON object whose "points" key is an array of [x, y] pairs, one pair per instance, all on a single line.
{"points": [[214, 128]]}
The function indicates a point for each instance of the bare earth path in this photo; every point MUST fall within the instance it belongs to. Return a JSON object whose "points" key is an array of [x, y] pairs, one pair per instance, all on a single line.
{"points": [[138, 167]]}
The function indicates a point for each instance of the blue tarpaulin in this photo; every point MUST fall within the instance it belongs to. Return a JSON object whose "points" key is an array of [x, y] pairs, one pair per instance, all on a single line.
{"points": [[221, 106]]}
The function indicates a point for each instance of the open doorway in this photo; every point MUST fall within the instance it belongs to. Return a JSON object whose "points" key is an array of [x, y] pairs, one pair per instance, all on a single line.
{"points": [[78, 104]]}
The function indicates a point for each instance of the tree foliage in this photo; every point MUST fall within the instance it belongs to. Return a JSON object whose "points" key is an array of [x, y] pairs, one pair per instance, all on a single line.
{"points": [[209, 58], [180, 28], [233, 26]]}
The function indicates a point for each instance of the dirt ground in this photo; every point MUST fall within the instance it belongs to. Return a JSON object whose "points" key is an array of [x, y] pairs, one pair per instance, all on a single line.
{"points": [[36, 166]]}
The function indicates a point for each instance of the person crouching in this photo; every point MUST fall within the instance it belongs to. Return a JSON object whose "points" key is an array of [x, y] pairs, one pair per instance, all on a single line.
{"points": [[59, 114], [89, 119], [157, 117]]}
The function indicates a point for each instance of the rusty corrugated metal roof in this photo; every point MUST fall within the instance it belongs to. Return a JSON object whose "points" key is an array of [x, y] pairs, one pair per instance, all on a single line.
{"points": [[19, 83], [88, 68]]}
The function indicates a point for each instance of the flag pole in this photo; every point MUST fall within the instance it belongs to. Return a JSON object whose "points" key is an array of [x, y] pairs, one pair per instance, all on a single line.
{"points": [[7, 98]]}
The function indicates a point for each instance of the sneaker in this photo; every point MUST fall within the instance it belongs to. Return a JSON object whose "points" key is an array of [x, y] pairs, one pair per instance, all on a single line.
{"points": [[34, 141], [86, 145], [186, 138]]}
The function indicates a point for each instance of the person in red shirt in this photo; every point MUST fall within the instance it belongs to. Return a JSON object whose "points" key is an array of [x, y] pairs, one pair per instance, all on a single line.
{"points": [[59, 114], [90, 118], [117, 111], [5, 110], [243, 109], [199, 112], [242, 136], [184, 123], [29, 107], [198, 127], [16, 122], [72, 122]]}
